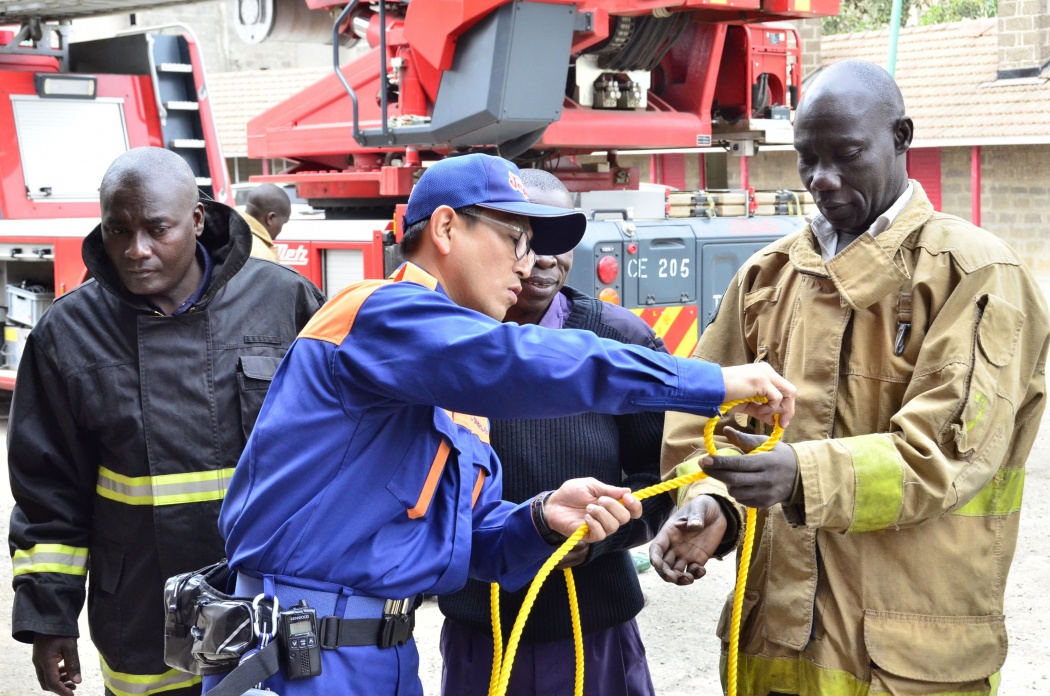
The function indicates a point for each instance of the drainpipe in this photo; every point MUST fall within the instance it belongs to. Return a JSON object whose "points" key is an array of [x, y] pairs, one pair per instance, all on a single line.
{"points": [[895, 28], [975, 185]]}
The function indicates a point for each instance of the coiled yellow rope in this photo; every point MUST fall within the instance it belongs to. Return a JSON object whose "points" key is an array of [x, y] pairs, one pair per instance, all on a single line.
{"points": [[503, 663]]}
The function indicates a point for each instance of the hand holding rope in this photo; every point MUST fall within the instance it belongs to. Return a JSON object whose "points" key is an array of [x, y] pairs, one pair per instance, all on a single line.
{"points": [[503, 661]]}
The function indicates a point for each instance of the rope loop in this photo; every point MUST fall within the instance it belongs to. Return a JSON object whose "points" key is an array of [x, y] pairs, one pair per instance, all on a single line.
{"points": [[503, 660]]}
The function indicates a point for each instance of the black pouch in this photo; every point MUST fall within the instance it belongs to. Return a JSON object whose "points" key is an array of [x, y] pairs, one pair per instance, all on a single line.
{"points": [[206, 629], [224, 632]]}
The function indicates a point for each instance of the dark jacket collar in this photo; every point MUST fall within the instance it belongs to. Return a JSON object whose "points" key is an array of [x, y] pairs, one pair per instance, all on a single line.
{"points": [[226, 237]]}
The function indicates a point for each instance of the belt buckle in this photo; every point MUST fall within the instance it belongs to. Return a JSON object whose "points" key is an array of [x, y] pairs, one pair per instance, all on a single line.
{"points": [[395, 628]]}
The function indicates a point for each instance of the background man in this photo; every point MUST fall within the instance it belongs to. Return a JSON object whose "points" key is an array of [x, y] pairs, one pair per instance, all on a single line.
{"points": [[538, 455], [919, 345], [397, 491], [134, 399], [266, 212]]}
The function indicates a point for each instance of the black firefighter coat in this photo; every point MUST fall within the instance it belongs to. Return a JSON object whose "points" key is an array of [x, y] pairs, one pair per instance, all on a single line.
{"points": [[124, 430]]}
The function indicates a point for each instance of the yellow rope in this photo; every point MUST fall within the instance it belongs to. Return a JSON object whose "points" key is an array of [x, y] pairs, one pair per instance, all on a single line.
{"points": [[501, 672], [497, 636], [577, 630]]}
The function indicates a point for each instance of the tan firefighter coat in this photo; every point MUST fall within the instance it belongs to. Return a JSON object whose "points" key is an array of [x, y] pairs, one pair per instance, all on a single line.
{"points": [[891, 578]]}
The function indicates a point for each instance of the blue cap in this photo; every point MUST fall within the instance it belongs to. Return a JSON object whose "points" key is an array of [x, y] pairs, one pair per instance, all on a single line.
{"points": [[493, 182]]}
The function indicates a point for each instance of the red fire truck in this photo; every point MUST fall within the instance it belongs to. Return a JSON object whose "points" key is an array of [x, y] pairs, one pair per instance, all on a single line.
{"points": [[562, 84]]}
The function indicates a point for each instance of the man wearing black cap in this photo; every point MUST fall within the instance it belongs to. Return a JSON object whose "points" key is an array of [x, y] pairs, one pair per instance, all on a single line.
{"points": [[395, 491]]}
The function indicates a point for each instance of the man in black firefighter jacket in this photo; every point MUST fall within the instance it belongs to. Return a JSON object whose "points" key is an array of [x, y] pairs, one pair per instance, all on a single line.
{"points": [[135, 396]]}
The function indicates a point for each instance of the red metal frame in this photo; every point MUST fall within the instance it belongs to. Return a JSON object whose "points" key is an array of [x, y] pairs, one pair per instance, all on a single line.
{"points": [[975, 185], [749, 52], [315, 126]]}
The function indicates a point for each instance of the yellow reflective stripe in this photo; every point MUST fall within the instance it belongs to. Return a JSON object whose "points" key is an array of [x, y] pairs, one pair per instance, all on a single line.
{"points": [[878, 472], [124, 684], [760, 675], [1000, 496], [689, 466], [50, 558], [169, 489]]}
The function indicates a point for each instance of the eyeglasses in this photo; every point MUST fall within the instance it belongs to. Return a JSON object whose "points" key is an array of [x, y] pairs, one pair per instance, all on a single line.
{"points": [[522, 243]]}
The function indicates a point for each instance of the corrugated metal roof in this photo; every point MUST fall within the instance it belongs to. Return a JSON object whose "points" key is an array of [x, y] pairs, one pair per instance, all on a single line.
{"points": [[947, 75], [238, 97]]}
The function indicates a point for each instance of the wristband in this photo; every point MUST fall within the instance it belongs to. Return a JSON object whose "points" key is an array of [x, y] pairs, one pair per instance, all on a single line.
{"points": [[539, 519]]}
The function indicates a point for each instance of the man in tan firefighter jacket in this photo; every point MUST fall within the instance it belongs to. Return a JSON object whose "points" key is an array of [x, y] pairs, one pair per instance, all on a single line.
{"points": [[918, 343], [134, 398]]}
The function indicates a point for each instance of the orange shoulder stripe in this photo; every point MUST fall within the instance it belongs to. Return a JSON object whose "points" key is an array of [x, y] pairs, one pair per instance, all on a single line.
{"points": [[334, 320], [437, 467], [477, 488], [413, 273], [336, 317]]}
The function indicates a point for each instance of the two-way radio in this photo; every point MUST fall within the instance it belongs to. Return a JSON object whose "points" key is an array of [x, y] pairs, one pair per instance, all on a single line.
{"points": [[301, 647]]}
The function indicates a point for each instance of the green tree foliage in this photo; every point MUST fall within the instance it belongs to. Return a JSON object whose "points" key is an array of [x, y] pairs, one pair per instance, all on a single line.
{"points": [[868, 15], [864, 15], [955, 10]]}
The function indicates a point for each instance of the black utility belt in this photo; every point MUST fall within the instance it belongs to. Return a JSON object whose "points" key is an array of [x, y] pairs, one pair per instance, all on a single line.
{"points": [[208, 630], [386, 632]]}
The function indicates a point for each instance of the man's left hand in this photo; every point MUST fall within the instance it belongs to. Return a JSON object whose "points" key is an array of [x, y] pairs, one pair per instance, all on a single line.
{"points": [[685, 543], [757, 480]]}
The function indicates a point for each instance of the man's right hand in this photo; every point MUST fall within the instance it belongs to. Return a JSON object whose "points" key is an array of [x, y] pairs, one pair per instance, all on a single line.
{"points": [[57, 663], [604, 508], [759, 379], [683, 546]]}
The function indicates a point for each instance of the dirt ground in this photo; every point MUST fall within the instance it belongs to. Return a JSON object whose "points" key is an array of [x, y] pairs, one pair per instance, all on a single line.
{"points": [[678, 622]]}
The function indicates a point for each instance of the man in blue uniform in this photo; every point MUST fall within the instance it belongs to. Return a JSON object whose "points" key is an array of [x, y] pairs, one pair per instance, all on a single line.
{"points": [[369, 475]]}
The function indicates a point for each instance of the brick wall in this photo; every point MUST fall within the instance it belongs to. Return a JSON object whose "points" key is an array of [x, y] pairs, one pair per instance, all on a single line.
{"points": [[641, 163], [1024, 36], [1015, 199], [810, 33], [955, 181], [766, 171]]}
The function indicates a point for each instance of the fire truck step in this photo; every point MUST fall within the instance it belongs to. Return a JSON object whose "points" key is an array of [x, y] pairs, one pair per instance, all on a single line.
{"points": [[186, 144], [174, 68], [182, 106]]}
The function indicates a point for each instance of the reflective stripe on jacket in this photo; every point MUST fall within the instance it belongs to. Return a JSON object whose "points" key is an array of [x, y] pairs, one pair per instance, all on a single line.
{"points": [[124, 432], [891, 575]]}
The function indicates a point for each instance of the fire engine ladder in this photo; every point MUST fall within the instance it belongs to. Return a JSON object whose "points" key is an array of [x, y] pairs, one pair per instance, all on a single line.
{"points": [[165, 58], [176, 87]]}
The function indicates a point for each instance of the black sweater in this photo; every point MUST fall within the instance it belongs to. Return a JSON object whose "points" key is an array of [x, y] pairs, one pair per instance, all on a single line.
{"points": [[539, 455]]}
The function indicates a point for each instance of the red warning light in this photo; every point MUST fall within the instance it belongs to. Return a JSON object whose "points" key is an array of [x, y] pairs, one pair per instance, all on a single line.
{"points": [[608, 269]]}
